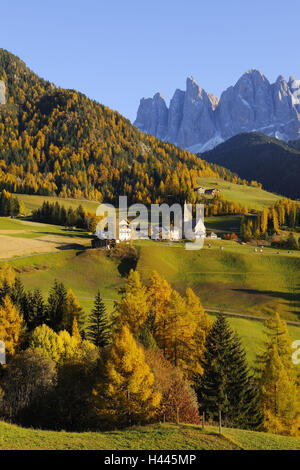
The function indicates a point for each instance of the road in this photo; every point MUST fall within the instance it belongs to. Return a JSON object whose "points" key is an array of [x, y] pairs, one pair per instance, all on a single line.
{"points": [[218, 310]]}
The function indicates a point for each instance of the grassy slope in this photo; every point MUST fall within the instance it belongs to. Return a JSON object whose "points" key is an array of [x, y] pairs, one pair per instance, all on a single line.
{"points": [[83, 271], [26, 229], [34, 202], [215, 276], [158, 437], [254, 198], [235, 278]]}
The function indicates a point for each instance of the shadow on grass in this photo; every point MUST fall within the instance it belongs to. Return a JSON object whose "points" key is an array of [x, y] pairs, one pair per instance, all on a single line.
{"points": [[71, 246], [126, 265], [75, 234], [292, 299]]}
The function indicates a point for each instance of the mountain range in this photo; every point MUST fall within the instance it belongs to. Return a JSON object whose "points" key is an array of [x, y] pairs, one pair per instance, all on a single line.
{"points": [[198, 121], [255, 156]]}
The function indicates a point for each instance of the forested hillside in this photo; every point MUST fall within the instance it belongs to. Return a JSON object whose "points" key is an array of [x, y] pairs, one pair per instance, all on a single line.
{"points": [[273, 162], [59, 142]]}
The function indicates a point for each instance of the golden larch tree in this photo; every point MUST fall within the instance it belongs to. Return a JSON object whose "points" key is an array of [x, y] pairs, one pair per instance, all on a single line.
{"points": [[11, 325], [127, 394]]}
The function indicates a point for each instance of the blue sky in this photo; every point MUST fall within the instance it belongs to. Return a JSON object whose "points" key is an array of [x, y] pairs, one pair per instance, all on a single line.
{"points": [[119, 51]]}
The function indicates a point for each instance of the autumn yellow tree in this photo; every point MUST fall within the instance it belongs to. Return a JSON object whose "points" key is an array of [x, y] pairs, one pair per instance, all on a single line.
{"points": [[75, 331], [159, 295], [202, 323], [72, 311], [7, 275], [127, 394], [280, 396], [10, 325], [179, 324], [133, 308], [61, 347]]}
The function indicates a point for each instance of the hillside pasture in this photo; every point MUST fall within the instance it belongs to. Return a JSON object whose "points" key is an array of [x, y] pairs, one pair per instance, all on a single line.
{"points": [[24, 238], [157, 436], [254, 198], [229, 275], [33, 202]]}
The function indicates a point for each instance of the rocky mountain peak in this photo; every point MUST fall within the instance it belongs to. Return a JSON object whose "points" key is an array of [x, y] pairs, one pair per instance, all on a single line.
{"points": [[197, 120]]}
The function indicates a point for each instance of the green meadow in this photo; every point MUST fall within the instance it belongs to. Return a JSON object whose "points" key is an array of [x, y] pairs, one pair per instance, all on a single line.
{"points": [[21, 228], [254, 198], [229, 276], [226, 275], [232, 279], [159, 437], [33, 202]]}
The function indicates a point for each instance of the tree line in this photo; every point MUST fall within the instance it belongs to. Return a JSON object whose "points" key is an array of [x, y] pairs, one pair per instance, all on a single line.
{"points": [[10, 205], [157, 357], [283, 215]]}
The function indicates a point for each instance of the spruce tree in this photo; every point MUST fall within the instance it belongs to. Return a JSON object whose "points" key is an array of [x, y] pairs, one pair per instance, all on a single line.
{"points": [[226, 386], [244, 410], [17, 292], [212, 387], [35, 310], [98, 331], [57, 305]]}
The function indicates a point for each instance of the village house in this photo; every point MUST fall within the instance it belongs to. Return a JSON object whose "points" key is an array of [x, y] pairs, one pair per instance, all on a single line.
{"points": [[124, 232], [211, 192], [199, 190], [212, 236], [165, 233]]}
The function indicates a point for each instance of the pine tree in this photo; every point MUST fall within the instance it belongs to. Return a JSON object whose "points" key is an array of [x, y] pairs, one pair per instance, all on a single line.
{"points": [[126, 395], [212, 389], [226, 389], [57, 305], [35, 310], [98, 331], [244, 411], [17, 292]]}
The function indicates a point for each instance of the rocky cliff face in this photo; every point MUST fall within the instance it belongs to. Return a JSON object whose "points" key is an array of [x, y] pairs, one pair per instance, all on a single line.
{"points": [[198, 121], [152, 116], [2, 93]]}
